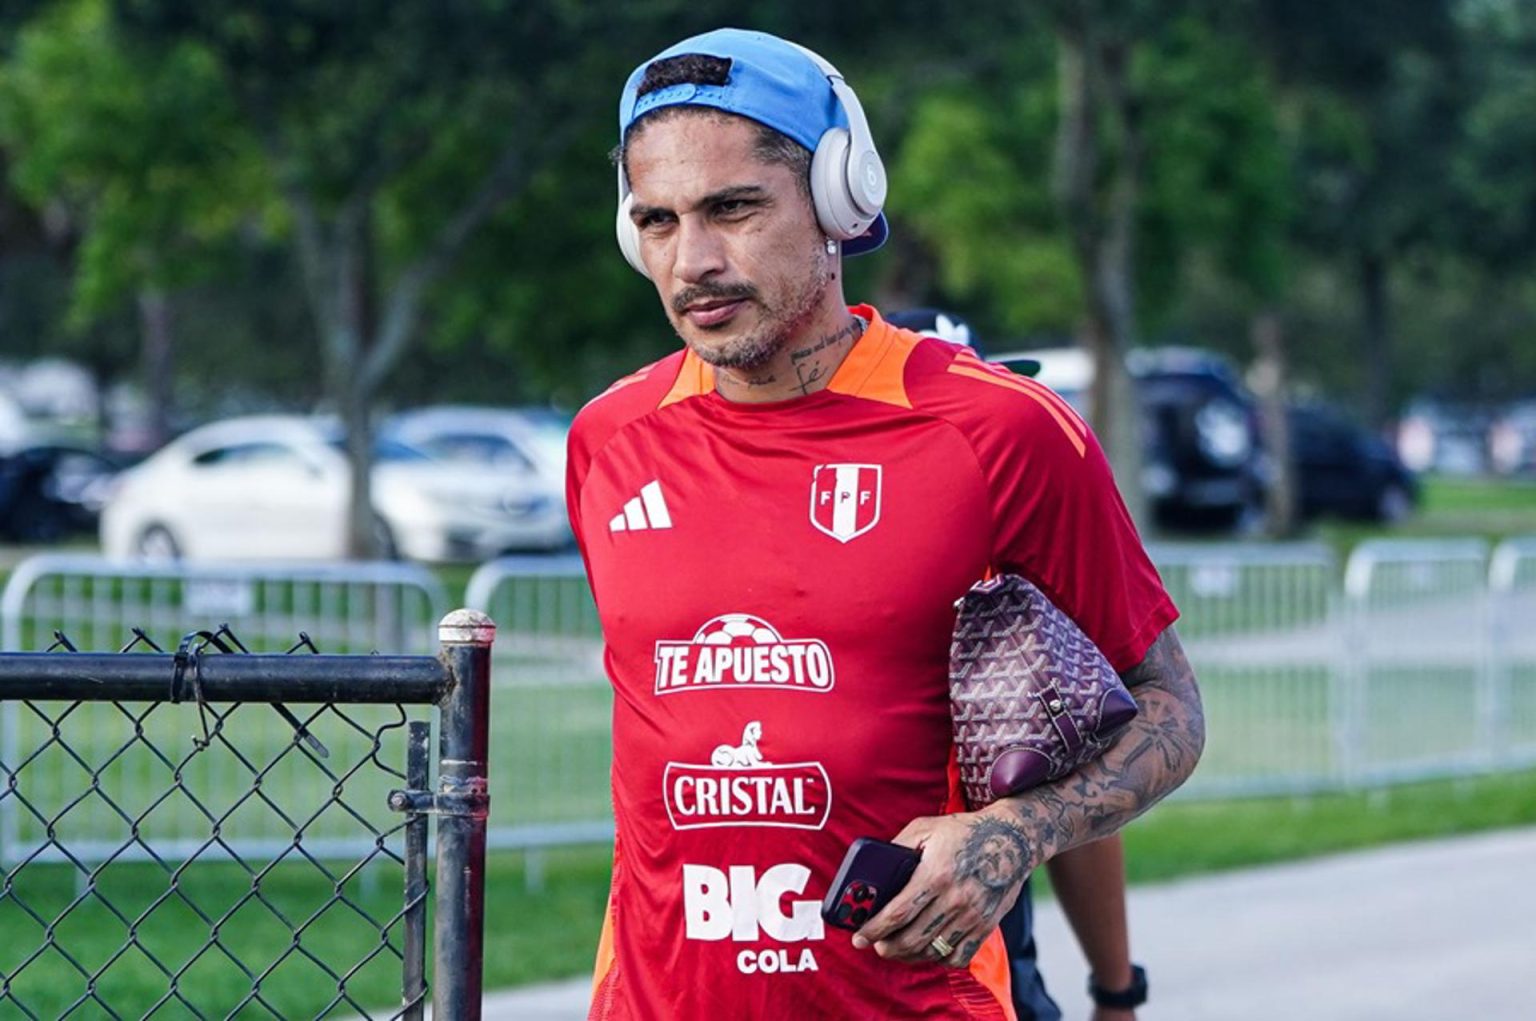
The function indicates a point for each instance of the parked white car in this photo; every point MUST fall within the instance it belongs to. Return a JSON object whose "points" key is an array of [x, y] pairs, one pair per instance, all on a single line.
{"points": [[277, 486], [526, 440]]}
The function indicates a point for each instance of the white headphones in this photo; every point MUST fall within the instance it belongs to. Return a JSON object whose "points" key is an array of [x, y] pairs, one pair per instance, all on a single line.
{"points": [[848, 183]]}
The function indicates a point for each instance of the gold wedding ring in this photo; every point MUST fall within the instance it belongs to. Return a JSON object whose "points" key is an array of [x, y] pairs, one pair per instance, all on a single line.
{"points": [[941, 946]]}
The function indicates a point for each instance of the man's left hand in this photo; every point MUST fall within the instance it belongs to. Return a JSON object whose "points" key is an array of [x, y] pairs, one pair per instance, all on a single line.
{"points": [[973, 866]]}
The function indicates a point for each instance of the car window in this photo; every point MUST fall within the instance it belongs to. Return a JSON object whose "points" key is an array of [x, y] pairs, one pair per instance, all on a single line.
{"points": [[394, 451], [479, 448], [262, 453], [391, 451]]}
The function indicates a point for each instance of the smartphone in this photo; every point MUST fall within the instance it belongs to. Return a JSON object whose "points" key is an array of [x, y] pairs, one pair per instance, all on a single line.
{"points": [[872, 874]]}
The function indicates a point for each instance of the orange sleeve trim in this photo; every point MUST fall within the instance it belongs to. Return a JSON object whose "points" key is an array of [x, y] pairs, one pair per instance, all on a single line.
{"points": [[1035, 386], [1068, 425], [1026, 383], [694, 379], [876, 368]]}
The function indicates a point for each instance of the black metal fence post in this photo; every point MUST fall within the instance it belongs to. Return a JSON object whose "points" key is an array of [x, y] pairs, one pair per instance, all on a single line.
{"points": [[463, 805], [418, 775]]}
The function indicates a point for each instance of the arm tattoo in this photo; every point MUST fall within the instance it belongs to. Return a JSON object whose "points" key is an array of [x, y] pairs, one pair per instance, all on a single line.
{"points": [[995, 855], [1156, 753]]}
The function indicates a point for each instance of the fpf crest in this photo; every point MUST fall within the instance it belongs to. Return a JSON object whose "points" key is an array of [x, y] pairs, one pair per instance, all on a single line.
{"points": [[845, 499]]}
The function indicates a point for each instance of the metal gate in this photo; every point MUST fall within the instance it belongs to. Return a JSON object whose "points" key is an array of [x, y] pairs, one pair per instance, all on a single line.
{"points": [[111, 907]]}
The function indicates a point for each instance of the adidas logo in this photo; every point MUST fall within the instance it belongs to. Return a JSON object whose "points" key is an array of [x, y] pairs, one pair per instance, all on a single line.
{"points": [[646, 511]]}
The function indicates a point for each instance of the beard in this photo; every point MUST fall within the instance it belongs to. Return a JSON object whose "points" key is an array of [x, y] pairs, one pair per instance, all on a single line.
{"points": [[777, 323]]}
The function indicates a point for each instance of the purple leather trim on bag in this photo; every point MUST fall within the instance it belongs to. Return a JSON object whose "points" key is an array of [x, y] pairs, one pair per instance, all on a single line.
{"points": [[1061, 719], [1017, 769], [1032, 698], [1117, 709]]}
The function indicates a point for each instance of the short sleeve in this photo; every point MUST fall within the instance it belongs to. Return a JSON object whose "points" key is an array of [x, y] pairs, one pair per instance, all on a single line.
{"points": [[1059, 520]]}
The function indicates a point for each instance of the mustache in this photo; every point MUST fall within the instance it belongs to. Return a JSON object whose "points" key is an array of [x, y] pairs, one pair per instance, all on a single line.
{"points": [[711, 292]]}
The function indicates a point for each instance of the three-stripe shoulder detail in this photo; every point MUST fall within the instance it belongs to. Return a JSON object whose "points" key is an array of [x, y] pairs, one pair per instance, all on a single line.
{"points": [[1062, 413]]}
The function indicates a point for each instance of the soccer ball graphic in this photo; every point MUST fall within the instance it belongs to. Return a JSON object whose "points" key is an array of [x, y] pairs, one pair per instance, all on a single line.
{"points": [[737, 629]]}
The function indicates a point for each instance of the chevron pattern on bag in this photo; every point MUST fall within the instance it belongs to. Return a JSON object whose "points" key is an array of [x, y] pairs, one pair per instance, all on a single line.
{"points": [[1032, 698]]}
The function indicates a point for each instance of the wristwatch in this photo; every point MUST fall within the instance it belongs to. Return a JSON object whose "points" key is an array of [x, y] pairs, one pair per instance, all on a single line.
{"points": [[1128, 998]]}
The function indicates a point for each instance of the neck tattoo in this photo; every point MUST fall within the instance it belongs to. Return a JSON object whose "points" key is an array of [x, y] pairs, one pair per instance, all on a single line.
{"points": [[816, 360]]}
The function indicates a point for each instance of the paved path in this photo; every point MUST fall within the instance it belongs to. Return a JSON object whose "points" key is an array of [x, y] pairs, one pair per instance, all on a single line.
{"points": [[1433, 931]]}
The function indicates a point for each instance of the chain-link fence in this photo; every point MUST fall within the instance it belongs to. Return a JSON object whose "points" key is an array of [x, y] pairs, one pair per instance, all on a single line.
{"points": [[167, 852]]}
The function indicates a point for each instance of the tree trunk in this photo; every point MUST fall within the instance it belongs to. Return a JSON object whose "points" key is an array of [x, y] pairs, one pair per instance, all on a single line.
{"points": [[1269, 380], [1378, 339], [362, 533], [101, 386], [157, 342], [365, 328], [354, 388], [1093, 78]]}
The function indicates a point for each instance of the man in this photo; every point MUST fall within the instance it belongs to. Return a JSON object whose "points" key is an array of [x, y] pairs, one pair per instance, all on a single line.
{"points": [[1089, 880], [776, 522]]}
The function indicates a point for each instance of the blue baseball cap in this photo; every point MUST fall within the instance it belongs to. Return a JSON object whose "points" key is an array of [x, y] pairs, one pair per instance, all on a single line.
{"points": [[771, 81]]}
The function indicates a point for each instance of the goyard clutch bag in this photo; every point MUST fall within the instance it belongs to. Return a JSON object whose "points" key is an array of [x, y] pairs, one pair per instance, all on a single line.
{"points": [[1032, 697]]}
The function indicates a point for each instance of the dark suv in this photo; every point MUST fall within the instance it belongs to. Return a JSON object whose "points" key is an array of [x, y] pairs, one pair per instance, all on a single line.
{"points": [[1205, 468], [1344, 471]]}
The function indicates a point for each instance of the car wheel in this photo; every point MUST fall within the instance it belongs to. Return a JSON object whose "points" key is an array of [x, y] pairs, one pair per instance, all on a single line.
{"points": [[157, 543], [1393, 503]]}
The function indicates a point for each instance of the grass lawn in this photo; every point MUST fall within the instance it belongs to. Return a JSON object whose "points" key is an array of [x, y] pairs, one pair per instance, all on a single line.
{"points": [[1449, 508], [1187, 838]]}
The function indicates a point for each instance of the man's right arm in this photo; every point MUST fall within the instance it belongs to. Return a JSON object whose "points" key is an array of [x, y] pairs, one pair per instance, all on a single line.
{"points": [[1153, 757]]}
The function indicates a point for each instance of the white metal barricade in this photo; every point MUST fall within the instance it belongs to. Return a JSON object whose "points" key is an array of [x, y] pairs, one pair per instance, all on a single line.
{"points": [[1421, 663], [95, 604], [1420, 692], [1512, 586], [551, 710], [343, 607], [1258, 622]]}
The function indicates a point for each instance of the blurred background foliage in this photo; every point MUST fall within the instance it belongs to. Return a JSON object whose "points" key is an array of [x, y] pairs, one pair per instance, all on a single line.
{"points": [[304, 203]]}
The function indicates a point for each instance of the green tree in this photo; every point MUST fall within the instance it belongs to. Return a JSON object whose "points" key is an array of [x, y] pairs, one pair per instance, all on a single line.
{"points": [[392, 132], [141, 164], [1378, 86]]}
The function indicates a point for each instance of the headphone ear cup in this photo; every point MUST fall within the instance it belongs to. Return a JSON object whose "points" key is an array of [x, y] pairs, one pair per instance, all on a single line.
{"points": [[629, 237], [835, 211]]}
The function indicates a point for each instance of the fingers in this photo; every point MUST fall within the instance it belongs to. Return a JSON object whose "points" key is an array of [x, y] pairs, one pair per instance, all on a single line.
{"points": [[936, 909], [898, 913], [915, 834], [937, 934], [970, 870]]}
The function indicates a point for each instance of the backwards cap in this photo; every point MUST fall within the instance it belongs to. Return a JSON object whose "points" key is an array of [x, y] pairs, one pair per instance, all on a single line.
{"points": [[771, 81]]}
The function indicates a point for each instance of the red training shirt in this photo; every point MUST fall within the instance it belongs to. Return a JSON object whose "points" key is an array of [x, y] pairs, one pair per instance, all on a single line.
{"points": [[776, 586]]}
